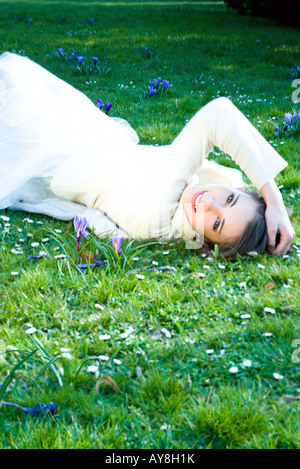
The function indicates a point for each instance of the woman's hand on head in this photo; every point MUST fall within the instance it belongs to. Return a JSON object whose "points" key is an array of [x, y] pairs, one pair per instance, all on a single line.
{"points": [[279, 227], [280, 230]]}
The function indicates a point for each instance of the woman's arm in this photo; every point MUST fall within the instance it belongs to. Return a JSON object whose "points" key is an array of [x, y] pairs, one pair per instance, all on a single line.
{"points": [[280, 230], [221, 124]]}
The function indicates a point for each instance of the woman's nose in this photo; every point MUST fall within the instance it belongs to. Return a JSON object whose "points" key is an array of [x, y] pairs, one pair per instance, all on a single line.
{"points": [[211, 204]]}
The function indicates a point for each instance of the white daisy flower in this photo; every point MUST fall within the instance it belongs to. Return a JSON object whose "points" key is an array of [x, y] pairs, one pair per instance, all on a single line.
{"points": [[166, 332], [140, 277], [104, 337], [165, 427], [17, 251], [125, 334], [117, 362], [247, 362], [92, 369], [269, 310], [103, 357], [31, 330]]}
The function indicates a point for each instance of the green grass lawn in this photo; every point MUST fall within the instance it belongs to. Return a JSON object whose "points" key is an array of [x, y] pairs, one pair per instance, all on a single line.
{"points": [[205, 356]]}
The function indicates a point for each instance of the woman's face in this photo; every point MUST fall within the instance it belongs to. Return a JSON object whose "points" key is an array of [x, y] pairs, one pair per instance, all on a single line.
{"points": [[220, 213]]}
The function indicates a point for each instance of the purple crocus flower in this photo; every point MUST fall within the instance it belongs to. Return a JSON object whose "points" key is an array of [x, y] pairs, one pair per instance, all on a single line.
{"points": [[37, 409], [99, 103], [74, 55], [95, 60], [164, 268], [107, 107], [117, 243], [155, 82], [92, 20], [288, 117], [152, 91], [60, 51], [80, 60], [276, 131], [84, 267], [166, 84], [39, 256], [80, 224]]}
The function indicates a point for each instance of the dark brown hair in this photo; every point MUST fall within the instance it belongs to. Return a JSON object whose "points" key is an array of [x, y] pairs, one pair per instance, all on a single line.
{"points": [[254, 238]]}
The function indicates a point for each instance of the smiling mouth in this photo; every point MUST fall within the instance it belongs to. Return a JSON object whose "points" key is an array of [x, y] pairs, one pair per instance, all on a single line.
{"points": [[196, 199]]}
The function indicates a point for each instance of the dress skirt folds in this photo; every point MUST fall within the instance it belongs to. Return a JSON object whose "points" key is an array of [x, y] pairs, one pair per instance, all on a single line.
{"points": [[43, 122]]}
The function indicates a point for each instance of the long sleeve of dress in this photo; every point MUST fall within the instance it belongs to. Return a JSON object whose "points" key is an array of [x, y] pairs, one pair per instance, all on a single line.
{"points": [[221, 124]]}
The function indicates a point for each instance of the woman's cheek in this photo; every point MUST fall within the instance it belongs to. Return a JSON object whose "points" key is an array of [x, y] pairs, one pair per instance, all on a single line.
{"points": [[201, 222]]}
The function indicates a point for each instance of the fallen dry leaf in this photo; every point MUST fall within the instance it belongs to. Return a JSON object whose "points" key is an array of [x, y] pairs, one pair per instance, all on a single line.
{"points": [[139, 374], [288, 397], [86, 256], [269, 286], [106, 379], [288, 307]]}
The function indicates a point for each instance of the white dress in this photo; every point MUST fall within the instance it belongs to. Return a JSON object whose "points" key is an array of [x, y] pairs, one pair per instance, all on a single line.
{"points": [[60, 156]]}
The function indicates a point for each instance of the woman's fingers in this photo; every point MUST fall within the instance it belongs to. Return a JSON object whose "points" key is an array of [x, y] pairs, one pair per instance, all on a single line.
{"points": [[285, 240], [280, 231]]}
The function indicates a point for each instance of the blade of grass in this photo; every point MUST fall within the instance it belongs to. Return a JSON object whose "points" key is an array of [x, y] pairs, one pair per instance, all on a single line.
{"points": [[11, 374], [49, 364]]}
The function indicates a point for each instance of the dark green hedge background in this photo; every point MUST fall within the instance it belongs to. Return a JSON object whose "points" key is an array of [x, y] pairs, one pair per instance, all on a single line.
{"points": [[284, 11]]}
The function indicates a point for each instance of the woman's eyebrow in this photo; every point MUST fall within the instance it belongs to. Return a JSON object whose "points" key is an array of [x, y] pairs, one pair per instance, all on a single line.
{"points": [[233, 203], [221, 227]]}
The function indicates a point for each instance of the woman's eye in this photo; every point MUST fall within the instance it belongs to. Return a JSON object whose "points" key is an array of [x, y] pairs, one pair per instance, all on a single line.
{"points": [[230, 199], [217, 223]]}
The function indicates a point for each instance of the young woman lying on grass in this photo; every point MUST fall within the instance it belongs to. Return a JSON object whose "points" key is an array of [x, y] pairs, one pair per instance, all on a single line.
{"points": [[61, 156]]}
